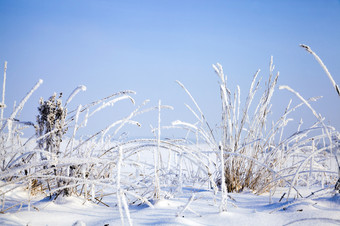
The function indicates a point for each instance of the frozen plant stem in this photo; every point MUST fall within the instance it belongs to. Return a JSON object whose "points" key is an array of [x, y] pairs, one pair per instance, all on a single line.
{"points": [[223, 207], [85, 167], [3, 202], [120, 194], [187, 206], [303, 100], [75, 128], [20, 106], [92, 192], [75, 91], [308, 49], [3, 95], [180, 177], [29, 194], [126, 208], [156, 155], [118, 185]]}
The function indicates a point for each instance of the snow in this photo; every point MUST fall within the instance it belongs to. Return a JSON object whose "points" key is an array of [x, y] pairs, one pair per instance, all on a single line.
{"points": [[243, 208]]}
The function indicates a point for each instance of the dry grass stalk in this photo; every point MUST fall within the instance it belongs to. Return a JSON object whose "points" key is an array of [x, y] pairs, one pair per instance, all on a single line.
{"points": [[308, 49], [2, 104]]}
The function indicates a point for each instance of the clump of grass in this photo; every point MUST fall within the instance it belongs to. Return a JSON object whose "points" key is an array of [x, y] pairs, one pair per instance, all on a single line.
{"points": [[240, 137], [256, 155]]}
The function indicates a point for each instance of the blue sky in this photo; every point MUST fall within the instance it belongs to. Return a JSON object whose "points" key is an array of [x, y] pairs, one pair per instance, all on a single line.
{"points": [[146, 45]]}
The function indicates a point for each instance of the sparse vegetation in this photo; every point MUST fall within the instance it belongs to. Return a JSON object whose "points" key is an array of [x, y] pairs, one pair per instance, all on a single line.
{"points": [[245, 152]]}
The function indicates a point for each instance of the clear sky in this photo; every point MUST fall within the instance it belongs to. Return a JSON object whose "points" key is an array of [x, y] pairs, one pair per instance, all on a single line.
{"points": [[145, 46]]}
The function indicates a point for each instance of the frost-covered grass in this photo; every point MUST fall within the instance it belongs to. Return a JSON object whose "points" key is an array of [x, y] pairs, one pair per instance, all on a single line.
{"points": [[194, 176], [256, 153]]}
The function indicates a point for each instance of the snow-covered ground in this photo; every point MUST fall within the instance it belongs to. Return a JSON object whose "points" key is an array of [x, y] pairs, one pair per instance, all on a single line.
{"points": [[244, 208]]}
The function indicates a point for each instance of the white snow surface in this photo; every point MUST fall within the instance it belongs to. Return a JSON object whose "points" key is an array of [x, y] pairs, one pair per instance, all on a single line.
{"points": [[244, 208]]}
